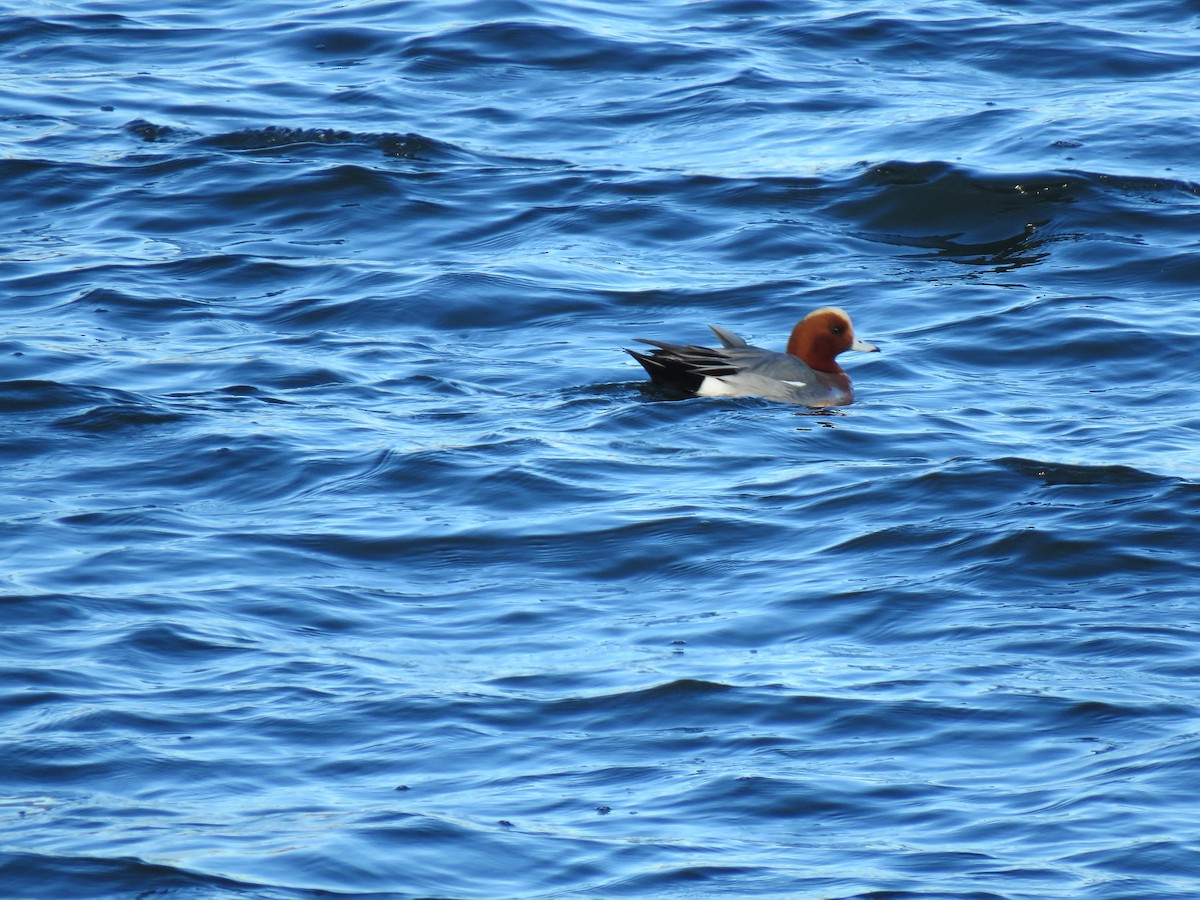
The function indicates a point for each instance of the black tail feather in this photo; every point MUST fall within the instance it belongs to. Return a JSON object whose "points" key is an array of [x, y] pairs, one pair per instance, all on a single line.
{"points": [[682, 368]]}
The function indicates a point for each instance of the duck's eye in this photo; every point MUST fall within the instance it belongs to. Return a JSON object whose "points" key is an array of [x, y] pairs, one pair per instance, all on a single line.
{"points": [[837, 329]]}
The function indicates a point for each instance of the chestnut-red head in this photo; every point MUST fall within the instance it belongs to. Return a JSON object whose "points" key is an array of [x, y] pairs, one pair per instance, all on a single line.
{"points": [[821, 335]]}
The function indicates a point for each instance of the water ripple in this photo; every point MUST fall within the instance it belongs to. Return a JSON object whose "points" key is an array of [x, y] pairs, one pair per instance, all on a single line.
{"points": [[347, 551]]}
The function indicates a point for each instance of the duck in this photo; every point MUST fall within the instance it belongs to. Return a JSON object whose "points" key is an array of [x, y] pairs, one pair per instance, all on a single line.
{"points": [[807, 373]]}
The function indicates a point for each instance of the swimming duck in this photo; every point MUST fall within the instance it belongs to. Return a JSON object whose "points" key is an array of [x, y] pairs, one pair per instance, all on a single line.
{"points": [[807, 373]]}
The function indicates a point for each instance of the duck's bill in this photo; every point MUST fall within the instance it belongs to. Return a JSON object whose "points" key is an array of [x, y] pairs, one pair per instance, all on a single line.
{"points": [[863, 346]]}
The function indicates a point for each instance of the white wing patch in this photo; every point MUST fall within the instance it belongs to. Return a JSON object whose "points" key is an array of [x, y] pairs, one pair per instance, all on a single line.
{"points": [[712, 386]]}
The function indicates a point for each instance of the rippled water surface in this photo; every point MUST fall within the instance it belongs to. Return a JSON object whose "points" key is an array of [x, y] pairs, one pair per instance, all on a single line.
{"points": [[345, 553]]}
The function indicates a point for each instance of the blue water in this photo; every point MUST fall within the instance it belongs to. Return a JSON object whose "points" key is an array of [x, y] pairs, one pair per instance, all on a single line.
{"points": [[345, 553]]}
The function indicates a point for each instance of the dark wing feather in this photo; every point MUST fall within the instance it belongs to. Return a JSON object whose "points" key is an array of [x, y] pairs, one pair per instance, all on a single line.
{"points": [[681, 367]]}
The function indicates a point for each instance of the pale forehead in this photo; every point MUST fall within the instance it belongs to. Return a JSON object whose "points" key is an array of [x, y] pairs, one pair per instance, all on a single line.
{"points": [[828, 313]]}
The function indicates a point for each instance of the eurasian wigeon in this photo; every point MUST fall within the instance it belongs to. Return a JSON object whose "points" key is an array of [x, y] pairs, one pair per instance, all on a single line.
{"points": [[807, 373]]}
